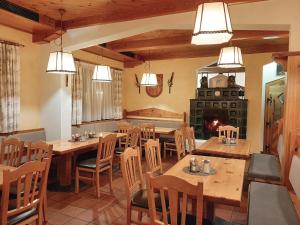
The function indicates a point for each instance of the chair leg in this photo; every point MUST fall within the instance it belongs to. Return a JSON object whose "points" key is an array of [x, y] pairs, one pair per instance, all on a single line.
{"points": [[45, 209], [77, 180], [97, 174], [140, 216], [165, 151], [128, 214], [110, 178], [40, 217]]}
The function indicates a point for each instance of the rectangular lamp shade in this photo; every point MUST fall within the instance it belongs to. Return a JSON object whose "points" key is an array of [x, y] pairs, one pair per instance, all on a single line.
{"points": [[212, 25], [61, 63], [149, 79], [230, 57], [102, 74]]}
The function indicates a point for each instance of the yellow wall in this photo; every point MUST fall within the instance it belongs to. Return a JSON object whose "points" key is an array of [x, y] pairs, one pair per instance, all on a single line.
{"points": [[184, 88], [30, 77], [32, 70]]}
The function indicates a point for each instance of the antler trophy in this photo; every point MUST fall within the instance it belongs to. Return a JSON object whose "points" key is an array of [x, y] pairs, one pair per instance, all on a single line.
{"points": [[137, 83]]}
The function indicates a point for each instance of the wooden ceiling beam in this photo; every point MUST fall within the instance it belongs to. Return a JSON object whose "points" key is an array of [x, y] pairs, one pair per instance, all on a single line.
{"points": [[184, 40], [209, 52], [105, 52], [114, 13]]}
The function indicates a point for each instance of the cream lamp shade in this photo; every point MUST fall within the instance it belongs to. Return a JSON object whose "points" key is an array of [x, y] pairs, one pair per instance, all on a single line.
{"points": [[61, 63], [230, 57], [102, 74], [149, 79], [212, 25]]}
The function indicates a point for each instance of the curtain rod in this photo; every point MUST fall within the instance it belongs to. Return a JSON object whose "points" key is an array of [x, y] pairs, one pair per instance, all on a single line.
{"points": [[11, 43], [86, 61]]}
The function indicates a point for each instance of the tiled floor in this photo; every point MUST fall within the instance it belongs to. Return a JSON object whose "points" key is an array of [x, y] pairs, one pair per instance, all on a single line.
{"points": [[84, 208]]}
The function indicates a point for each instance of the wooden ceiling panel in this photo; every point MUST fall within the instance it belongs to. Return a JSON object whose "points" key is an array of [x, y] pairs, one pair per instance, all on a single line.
{"points": [[82, 13]]}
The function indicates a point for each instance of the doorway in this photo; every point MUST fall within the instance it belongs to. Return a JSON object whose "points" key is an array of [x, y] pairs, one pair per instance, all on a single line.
{"points": [[274, 106]]}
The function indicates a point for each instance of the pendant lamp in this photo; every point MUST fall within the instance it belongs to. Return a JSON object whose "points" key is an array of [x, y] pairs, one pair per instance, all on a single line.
{"points": [[212, 25], [149, 79], [102, 74], [61, 62], [230, 57]]}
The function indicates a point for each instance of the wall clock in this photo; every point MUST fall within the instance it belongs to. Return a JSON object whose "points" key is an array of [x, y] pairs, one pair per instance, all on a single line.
{"points": [[156, 90]]}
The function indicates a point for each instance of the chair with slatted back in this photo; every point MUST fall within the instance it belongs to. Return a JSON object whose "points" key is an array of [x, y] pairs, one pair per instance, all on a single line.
{"points": [[38, 151], [179, 194], [133, 178], [103, 162], [30, 180], [132, 139], [171, 145], [147, 132], [123, 127], [180, 144], [11, 152], [229, 132], [153, 158]]}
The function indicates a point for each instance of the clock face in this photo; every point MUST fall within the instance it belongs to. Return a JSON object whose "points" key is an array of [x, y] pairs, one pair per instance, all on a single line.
{"points": [[156, 90], [217, 93]]}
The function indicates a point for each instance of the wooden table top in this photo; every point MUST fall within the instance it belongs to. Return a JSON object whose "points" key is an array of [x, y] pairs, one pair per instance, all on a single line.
{"points": [[164, 130], [61, 147], [2, 168], [224, 187], [213, 147]]}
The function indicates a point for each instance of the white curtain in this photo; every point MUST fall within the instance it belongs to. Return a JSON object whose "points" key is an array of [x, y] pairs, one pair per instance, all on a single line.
{"points": [[77, 94], [100, 101], [9, 87]]}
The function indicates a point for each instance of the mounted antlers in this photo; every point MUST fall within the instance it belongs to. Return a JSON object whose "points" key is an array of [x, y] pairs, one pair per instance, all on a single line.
{"points": [[137, 83]]}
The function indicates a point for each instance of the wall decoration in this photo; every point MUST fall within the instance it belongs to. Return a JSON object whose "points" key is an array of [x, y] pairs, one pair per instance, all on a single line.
{"points": [[231, 80], [219, 81], [155, 91], [170, 82], [204, 81], [137, 83]]}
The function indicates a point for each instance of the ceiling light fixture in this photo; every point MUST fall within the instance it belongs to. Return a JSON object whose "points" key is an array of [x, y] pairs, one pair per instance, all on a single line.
{"points": [[149, 79], [102, 74], [212, 25], [230, 57], [61, 62]]}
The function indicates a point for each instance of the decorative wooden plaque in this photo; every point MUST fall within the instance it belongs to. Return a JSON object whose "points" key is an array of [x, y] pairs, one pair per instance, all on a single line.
{"points": [[156, 90]]}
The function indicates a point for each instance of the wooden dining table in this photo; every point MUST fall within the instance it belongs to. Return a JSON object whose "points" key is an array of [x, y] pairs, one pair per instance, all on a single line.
{"points": [[224, 187], [240, 150], [164, 130], [66, 149]]}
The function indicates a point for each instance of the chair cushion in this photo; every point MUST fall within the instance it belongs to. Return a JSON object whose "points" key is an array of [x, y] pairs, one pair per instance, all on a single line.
{"points": [[140, 199], [265, 167], [270, 204], [189, 220], [91, 163], [21, 217]]}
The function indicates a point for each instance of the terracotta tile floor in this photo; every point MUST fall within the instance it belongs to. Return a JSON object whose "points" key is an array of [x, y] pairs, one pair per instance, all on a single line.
{"points": [[84, 208]]}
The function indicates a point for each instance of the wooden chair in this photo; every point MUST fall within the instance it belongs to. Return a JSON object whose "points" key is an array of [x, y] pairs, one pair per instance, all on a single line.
{"points": [[180, 144], [123, 127], [11, 152], [229, 132], [133, 178], [132, 139], [179, 193], [153, 158], [38, 151], [171, 145], [103, 162], [30, 180], [147, 132]]}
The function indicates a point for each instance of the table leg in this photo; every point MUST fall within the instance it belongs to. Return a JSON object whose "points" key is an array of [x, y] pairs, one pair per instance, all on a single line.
{"points": [[210, 211], [64, 170]]}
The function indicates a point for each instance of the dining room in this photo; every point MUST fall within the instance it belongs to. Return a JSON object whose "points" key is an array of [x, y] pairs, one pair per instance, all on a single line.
{"points": [[149, 112]]}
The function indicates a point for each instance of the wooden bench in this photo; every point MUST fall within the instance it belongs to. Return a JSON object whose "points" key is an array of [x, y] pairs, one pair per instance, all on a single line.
{"points": [[271, 204]]}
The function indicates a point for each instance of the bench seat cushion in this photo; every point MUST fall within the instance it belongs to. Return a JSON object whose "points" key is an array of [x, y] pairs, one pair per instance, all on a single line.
{"points": [[263, 166], [32, 136], [271, 204]]}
